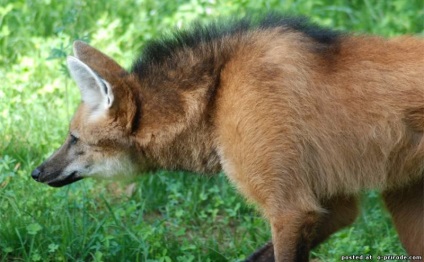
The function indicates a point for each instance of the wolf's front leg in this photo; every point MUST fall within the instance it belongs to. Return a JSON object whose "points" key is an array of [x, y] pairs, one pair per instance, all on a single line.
{"points": [[292, 234], [291, 209]]}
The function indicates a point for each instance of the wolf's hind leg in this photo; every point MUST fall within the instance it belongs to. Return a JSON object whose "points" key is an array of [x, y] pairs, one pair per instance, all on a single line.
{"points": [[406, 206]]}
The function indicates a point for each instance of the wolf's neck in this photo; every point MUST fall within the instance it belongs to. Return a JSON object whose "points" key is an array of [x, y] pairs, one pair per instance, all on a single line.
{"points": [[177, 99]]}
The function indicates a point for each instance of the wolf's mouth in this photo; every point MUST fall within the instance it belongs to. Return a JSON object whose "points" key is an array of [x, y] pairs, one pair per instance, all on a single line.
{"points": [[73, 177]]}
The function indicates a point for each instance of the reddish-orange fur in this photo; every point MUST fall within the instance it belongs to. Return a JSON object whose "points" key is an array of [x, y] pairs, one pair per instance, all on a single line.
{"points": [[354, 124], [300, 132]]}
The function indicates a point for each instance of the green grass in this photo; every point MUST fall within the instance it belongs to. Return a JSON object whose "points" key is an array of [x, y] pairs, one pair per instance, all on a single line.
{"points": [[170, 216]]}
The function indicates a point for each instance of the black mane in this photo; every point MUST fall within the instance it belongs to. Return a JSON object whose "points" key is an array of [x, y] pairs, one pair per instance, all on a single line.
{"points": [[156, 51]]}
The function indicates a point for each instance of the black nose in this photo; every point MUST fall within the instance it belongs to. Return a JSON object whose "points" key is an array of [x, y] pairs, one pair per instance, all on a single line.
{"points": [[36, 174]]}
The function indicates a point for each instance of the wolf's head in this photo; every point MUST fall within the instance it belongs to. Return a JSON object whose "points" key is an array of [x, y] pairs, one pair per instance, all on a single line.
{"points": [[99, 139]]}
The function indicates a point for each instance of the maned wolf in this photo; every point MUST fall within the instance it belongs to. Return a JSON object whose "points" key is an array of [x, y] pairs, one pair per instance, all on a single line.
{"points": [[299, 118]]}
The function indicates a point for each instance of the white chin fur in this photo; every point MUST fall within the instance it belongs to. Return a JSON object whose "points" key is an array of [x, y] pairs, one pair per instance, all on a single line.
{"points": [[113, 168]]}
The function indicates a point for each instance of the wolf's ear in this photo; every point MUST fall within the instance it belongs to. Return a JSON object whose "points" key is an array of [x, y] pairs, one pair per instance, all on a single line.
{"points": [[95, 91], [96, 60]]}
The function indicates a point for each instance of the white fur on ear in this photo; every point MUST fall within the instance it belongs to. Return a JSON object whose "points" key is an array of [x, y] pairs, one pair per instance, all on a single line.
{"points": [[95, 91]]}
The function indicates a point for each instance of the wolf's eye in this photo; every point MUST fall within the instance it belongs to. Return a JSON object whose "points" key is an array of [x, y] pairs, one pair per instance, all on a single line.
{"points": [[74, 139]]}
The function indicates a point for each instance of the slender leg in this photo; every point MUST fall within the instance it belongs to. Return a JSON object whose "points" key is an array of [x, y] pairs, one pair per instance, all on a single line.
{"points": [[341, 212], [406, 206], [292, 234]]}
